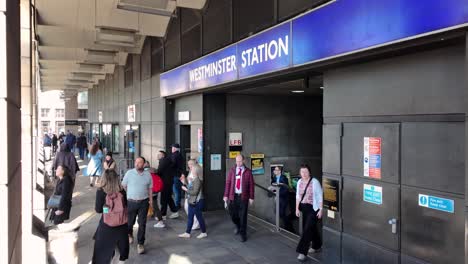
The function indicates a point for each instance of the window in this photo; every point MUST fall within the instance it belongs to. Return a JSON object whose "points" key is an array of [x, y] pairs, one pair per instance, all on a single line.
{"points": [[59, 127], [83, 113], [45, 126], [59, 113], [45, 112]]}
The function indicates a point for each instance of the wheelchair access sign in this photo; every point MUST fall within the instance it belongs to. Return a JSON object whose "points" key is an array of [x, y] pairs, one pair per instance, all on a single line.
{"points": [[436, 203]]}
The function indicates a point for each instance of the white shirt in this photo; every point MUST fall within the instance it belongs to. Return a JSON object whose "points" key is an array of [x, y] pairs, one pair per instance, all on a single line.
{"points": [[238, 177]]}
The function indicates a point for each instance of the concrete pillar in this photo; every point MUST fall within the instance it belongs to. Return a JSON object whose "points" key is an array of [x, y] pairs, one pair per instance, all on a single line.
{"points": [[10, 134], [71, 114]]}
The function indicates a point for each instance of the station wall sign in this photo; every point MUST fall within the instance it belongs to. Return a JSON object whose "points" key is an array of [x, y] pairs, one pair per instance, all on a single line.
{"points": [[336, 29], [436, 203], [373, 157], [235, 139], [372, 194]]}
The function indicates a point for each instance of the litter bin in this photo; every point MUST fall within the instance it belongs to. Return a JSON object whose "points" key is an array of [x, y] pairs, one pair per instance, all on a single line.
{"points": [[62, 245]]}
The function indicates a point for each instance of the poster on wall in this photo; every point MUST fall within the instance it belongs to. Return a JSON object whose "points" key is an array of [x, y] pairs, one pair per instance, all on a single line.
{"points": [[215, 161], [131, 117], [373, 157], [200, 140], [100, 116], [256, 161], [233, 154], [272, 168], [331, 194]]}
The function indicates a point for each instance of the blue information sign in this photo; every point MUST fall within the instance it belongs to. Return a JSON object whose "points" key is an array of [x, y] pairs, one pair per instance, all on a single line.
{"points": [[372, 194], [436, 203]]}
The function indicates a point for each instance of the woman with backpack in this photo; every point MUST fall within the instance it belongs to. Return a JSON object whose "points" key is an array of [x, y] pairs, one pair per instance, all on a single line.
{"points": [[195, 201], [112, 231], [309, 200], [158, 186], [94, 169]]}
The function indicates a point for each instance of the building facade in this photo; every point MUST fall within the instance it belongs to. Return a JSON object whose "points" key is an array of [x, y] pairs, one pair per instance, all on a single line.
{"points": [[373, 99]]}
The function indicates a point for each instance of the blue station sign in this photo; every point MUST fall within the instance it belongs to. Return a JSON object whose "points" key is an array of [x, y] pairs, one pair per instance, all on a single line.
{"points": [[336, 29]]}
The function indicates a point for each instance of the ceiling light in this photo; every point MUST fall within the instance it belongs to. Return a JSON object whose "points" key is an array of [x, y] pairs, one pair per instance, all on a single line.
{"points": [[321, 87], [154, 7], [297, 91], [115, 37]]}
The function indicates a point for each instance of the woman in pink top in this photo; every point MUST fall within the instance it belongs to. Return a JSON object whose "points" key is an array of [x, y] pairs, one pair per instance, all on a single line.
{"points": [[309, 200]]}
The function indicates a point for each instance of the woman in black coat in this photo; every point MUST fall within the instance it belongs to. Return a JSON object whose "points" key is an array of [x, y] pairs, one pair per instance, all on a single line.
{"points": [[107, 238], [64, 188]]}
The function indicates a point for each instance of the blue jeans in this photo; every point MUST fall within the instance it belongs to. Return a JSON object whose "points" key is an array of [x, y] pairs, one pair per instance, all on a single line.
{"points": [[196, 211], [177, 189], [81, 150]]}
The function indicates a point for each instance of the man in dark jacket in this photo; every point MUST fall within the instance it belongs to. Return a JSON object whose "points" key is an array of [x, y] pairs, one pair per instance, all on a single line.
{"points": [[70, 139], [165, 171], [239, 193], [54, 143], [178, 166], [281, 181], [65, 157], [81, 144]]}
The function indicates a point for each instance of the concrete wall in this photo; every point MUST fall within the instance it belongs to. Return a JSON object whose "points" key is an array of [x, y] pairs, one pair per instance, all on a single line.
{"points": [[112, 98], [288, 130], [416, 104], [10, 136]]}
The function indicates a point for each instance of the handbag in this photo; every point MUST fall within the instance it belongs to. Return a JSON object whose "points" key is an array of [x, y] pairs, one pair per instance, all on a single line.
{"points": [[54, 200], [303, 195]]}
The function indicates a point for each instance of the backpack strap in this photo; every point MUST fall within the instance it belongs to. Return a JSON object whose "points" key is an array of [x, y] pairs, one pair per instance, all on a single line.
{"points": [[305, 190]]}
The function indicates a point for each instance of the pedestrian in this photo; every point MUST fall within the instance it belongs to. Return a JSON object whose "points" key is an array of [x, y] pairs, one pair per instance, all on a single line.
{"points": [[139, 186], [178, 168], [194, 190], [64, 189], [283, 183], [66, 158], [109, 162], [70, 139], [158, 185], [61, 138], [54, 143], [239, 193], [165, 171], [111, 233], [94, 169], [309, 202], [81, 144], [191, 163]]}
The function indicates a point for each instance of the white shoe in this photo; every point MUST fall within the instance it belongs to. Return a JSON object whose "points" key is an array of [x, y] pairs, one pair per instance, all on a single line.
{"points": [[160, 224], [202, 235], [184, 235], [301, 257], [311, 250], [174, 215]]}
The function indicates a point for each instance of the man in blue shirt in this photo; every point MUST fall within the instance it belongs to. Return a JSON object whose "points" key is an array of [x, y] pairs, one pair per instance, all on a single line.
{"points": [[138, 184]]}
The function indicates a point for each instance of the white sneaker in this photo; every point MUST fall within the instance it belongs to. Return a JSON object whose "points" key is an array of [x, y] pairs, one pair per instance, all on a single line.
{"points": [[202, 235], [174, 215], [301, 257], [160, 224], [311, 250], [184, 235]]}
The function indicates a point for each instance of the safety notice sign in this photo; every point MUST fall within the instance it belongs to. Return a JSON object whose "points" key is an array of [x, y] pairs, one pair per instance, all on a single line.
{"points": [[372, 194], [373, 157], [436, 203]]}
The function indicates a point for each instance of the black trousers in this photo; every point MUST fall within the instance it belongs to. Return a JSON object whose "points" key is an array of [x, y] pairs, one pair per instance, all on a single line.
{"points": [[310, 231], [238, 210], [139, 209], [156, 210], [106, 239], [166, 200]]}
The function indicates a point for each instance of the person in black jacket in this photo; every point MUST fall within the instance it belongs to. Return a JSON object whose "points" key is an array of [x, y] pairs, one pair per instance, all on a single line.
{"points": [[107, 237], [178, 166], [54, 143], [166, 173], [64, 188], [282, 181], [66, 158], [81, 144]]}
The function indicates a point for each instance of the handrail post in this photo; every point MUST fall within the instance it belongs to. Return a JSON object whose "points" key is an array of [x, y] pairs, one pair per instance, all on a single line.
{"points": [[277, 203]]}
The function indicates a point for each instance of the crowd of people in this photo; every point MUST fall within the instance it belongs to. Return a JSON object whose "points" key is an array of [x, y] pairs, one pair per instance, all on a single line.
{"points": [[123, 202]]}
